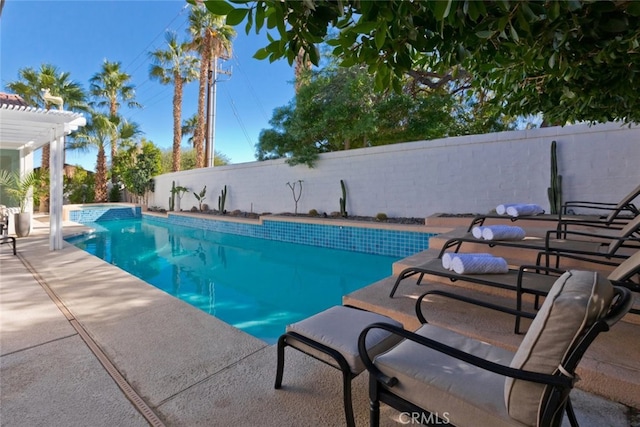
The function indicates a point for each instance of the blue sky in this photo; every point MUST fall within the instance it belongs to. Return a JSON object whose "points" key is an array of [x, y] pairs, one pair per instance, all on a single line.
{"points": [[76, 36]]}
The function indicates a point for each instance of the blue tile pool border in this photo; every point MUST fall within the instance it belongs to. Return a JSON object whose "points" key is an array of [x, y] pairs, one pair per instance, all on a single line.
{"points": [[106, 213], [396, 243]]}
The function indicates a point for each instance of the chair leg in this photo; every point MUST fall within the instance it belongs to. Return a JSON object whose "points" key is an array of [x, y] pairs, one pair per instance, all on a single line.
{"points": [[571, 414], [348, 406], [374, 403], [280, 365], [347, 375]]}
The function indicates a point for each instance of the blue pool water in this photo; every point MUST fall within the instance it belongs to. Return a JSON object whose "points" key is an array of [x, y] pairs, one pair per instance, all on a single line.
{"points": [[256, 285]]}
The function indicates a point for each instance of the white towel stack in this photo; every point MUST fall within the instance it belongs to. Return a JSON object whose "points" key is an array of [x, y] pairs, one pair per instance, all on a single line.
{"points": [[448, 257], [523, 209], [502, 209], [477, 231], [498, 232], [503, 232], [480, 265]]}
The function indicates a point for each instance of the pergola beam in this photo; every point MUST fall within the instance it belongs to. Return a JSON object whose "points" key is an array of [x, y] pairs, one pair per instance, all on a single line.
{"points": [[26, 129]]}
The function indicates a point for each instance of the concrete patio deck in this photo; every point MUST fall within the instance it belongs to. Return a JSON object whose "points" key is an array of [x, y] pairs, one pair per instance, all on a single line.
{"points": [[86, 344]]}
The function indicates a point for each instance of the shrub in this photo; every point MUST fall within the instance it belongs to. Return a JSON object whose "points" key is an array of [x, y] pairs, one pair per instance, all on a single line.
{"points": [[381, 216]]}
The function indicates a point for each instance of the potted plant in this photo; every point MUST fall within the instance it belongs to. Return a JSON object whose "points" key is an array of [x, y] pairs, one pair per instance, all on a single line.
{"points": [[21, 188]]}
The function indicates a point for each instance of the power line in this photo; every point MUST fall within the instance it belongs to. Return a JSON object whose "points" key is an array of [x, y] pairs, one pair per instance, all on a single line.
{"points": [[146, 48], [251, 89], [164, 95], [235, 113]]}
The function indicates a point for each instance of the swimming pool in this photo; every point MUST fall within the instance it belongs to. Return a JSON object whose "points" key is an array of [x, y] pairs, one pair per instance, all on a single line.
{"points": [[256, 285]]}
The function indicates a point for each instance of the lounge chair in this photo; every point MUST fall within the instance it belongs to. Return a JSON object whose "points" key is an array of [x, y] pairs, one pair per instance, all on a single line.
{"points": [[619, 214], [4, 226], [534, 280], [439, 376], [559, 241]]}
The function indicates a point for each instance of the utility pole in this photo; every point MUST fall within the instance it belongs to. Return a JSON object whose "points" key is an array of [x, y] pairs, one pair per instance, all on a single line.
{"points": [[209, 151]]}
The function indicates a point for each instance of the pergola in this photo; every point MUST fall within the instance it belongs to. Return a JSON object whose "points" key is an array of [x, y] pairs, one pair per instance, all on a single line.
{"points": [[26, 129]]}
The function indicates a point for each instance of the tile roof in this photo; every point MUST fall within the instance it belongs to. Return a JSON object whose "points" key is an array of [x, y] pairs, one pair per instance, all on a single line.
{"points": [[11, 99]]}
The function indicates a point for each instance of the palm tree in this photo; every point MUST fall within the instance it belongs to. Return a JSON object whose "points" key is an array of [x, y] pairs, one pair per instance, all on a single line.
{"points": [[189, 128], [176, 66], [211, 38], [101, 132], [30, 85], [111, 86]]}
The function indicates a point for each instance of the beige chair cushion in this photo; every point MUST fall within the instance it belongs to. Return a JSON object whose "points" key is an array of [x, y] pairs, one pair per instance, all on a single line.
{"points": [[459, 393], [576, 300], [339, 328]]}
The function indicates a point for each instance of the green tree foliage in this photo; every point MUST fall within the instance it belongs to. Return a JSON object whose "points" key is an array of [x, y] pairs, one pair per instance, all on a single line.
{"points": [[97, 134], [571, 60], [79, 188], [20, 187], [32, 81], [338, 109], [137, 164], [111, 86], [146, 162], [100, 133], [188, 160]]}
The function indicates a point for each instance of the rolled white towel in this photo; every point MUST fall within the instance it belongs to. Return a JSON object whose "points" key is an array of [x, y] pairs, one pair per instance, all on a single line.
{"points": [[477, 231], [524, 209], [503, 232], [480, 265], [502, 209], [448, 257]]}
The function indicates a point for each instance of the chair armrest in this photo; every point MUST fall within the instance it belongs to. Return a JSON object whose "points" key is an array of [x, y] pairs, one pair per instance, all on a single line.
{"points": [[557, 380], [587, 204], [558, 234], [468, 300], [529, 269], [635, 287], [602, 259], [536, 269], [616, 224], [456, 242]]}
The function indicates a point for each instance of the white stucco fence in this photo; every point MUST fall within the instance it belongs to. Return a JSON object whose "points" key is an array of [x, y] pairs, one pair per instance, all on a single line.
{"points": [[456, 175]]}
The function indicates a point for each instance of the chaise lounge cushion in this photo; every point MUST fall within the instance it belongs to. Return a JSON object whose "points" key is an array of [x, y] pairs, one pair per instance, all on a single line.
{"points": [[457, 392], [576, 300], [339, 328]]}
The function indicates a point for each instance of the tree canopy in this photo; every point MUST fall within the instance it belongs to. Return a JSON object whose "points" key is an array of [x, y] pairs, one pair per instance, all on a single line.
{"points": [[571, 60], [338, 109]]}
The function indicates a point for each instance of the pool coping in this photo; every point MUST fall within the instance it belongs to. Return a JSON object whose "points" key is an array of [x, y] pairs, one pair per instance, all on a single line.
{"points": [[337, 222], [395, 240]]}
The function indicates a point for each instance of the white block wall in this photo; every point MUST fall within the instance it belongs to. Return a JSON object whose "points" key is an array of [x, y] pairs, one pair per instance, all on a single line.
{"points": [[471, 174]]}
